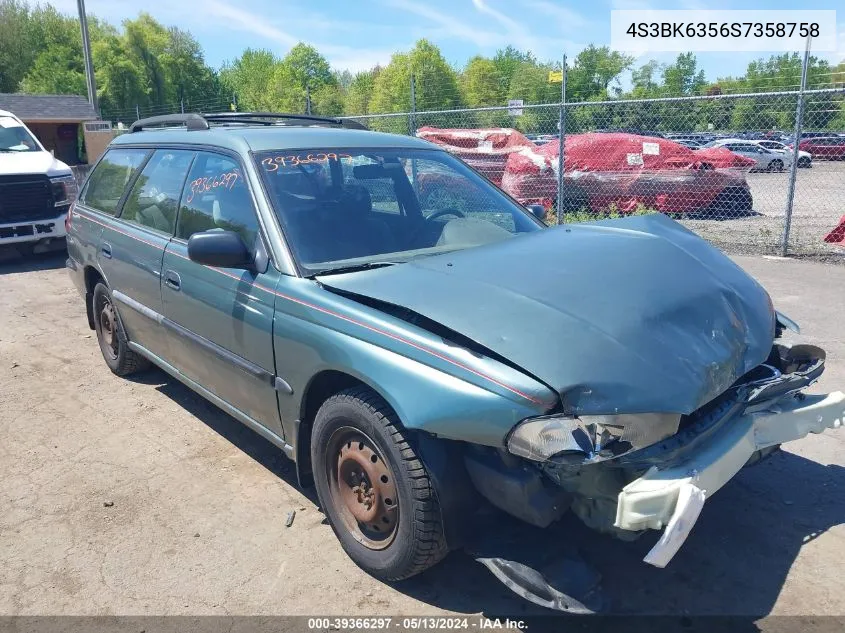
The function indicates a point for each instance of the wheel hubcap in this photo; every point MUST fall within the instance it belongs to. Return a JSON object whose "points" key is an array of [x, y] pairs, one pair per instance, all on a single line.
{"points": [[363, 488]]}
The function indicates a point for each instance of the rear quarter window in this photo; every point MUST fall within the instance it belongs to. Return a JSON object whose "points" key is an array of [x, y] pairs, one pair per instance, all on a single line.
{"points": [[108, 181]]}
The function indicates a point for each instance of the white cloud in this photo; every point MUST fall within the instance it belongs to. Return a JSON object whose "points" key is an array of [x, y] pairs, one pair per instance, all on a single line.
{"points": [[448, 25], [567, 18], [245, 21]]}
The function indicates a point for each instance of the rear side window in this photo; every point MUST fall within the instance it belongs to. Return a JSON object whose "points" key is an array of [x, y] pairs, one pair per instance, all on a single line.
{"points": [[216, 197], [106, 185], [154, 198]]}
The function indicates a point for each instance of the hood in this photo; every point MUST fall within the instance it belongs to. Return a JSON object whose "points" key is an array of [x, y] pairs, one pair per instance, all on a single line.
{"points": [[31, 163], [622, 316]]}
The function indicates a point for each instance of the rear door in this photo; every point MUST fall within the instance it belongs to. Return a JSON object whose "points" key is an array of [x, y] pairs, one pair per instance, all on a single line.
{"points": [[132, 244], [221, 319]]}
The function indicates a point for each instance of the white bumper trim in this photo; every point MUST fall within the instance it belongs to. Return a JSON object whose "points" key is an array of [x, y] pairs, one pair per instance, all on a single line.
{"points": [[652, 501]]}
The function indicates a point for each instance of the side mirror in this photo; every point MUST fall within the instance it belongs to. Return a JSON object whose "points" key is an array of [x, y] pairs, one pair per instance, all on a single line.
{"points": [[224, 249], [537, 210]]}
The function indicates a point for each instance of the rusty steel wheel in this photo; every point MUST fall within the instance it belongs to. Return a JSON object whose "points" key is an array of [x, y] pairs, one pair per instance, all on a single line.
{"points": [[373, 487], [111, 337], [108, 327], [362, 488]]}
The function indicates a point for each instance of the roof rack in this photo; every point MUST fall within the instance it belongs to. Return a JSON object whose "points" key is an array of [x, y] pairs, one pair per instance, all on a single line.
{"points": [[201, 121]]}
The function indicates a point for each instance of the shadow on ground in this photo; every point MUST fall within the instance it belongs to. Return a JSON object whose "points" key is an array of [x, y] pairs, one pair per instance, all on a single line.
{"points": [[13, 260], [733, 564]]}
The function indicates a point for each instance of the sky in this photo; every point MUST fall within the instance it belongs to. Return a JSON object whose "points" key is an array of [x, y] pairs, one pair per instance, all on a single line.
{"points": [[358, 34]]}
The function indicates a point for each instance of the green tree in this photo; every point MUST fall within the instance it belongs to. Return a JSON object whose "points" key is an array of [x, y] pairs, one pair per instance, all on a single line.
{"points": [[436, 86], [188, 77], [302, 69], [683, 77], [482, 84], [249, 77], [18, 44], [146, 42], [56, 70], [360, 92], [593, 71], [645, 80], [509, 59]]}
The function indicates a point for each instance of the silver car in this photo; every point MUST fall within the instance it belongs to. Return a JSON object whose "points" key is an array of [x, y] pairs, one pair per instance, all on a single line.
{"points": [[805, 159], [766, 159]]}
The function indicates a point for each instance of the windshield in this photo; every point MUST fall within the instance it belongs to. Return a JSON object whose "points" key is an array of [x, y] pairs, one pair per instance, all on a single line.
{"points": [[352, 209], [15, 138]]}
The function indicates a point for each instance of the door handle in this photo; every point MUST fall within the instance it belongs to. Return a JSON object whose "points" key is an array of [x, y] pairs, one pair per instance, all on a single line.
{"points": [[105, 250], [172, 280]]}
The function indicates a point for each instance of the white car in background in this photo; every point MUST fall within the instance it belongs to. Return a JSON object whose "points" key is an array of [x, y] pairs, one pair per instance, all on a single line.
{"points": [[35, 188], [766, 159], [805, 159]]}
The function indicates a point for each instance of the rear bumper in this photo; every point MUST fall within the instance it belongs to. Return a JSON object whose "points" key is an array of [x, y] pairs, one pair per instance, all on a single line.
{"points": [[671, 495]]}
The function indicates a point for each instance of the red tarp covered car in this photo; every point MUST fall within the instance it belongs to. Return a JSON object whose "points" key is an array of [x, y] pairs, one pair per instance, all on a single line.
{"points": [[625, 171], [485, 149], [837, 235]]}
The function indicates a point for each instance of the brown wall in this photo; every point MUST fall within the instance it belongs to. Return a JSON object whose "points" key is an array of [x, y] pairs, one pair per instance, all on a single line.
{"points": [[60, 138]]}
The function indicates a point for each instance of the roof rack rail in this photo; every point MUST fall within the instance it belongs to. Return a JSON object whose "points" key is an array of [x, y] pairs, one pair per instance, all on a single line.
{"points": [[190, 121], [270, 118], [195, 121]]}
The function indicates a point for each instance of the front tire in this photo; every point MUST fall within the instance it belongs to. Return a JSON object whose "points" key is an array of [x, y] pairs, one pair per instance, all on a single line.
{"points": [[373, 488], [110, 335], [776, 165]]}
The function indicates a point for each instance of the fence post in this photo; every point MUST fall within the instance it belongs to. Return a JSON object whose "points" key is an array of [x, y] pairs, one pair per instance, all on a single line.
{"points": [[137, 112], [235, 101], [793, 171], [561, 141], [412, 119], [307, 99], [182, 105]]}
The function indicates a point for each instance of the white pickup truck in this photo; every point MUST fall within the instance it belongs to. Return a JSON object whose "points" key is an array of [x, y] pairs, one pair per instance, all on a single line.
{"points": [[35, 188]]}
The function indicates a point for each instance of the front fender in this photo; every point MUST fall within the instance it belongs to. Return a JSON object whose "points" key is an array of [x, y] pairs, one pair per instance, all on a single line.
{"points": [[433, 385]]}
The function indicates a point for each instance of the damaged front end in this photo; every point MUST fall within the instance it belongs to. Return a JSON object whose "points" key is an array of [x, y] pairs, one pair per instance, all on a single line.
{"points": [[623, 474]]}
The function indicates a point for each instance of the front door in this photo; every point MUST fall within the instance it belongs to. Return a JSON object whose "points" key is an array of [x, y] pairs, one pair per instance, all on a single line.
{"points": [[222, 318]]}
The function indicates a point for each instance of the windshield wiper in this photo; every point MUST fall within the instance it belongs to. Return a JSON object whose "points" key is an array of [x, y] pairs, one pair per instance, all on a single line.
{"points": [[351, 269]]}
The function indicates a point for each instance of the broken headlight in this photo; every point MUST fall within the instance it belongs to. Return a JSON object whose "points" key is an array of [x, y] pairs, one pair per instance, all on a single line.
{"points": [[594, 437]]}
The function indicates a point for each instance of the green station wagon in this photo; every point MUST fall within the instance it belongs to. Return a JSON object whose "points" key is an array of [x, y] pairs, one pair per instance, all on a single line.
{"points": [[422, 346]]}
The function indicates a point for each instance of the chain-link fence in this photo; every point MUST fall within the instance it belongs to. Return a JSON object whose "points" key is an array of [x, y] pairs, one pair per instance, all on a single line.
{"points": [[722, 164], [126, 116]]}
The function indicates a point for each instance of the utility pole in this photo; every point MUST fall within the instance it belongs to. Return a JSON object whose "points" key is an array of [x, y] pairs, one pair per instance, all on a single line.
{"points": [[86, 53]]}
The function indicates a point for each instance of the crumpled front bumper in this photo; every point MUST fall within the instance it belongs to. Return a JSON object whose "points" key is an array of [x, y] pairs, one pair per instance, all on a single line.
{"points": [[671, 496]]}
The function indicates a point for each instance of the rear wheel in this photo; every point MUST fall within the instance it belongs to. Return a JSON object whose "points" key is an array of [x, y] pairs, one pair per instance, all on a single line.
{"points": [[804, 162], [775, 165], [373, 488], [111, 337]]}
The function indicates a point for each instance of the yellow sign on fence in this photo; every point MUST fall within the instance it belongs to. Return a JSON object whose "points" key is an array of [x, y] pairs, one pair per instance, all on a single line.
{"points": [[555, 76]]}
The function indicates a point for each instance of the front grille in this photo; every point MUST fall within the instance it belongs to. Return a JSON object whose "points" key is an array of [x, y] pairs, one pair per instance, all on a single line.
{"points": [[26, 198]]}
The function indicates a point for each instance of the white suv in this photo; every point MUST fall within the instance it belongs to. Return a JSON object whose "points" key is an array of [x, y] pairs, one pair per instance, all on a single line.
{"points": [[766, 159], [35, 188]]}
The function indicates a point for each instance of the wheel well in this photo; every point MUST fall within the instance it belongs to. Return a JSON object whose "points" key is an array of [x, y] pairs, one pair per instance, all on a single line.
{"points": [[322, 387], [92, 278]]}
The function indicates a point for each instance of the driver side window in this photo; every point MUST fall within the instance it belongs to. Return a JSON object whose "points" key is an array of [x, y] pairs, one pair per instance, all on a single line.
{"points": [[216, 196]]}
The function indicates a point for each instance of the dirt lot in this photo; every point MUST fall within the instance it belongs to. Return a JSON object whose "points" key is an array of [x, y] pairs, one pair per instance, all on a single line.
{"points": [[138, 497]]}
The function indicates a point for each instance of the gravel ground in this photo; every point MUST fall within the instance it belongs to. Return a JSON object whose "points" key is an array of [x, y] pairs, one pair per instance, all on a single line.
{"points": [[818, 206], [138, 497]]}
